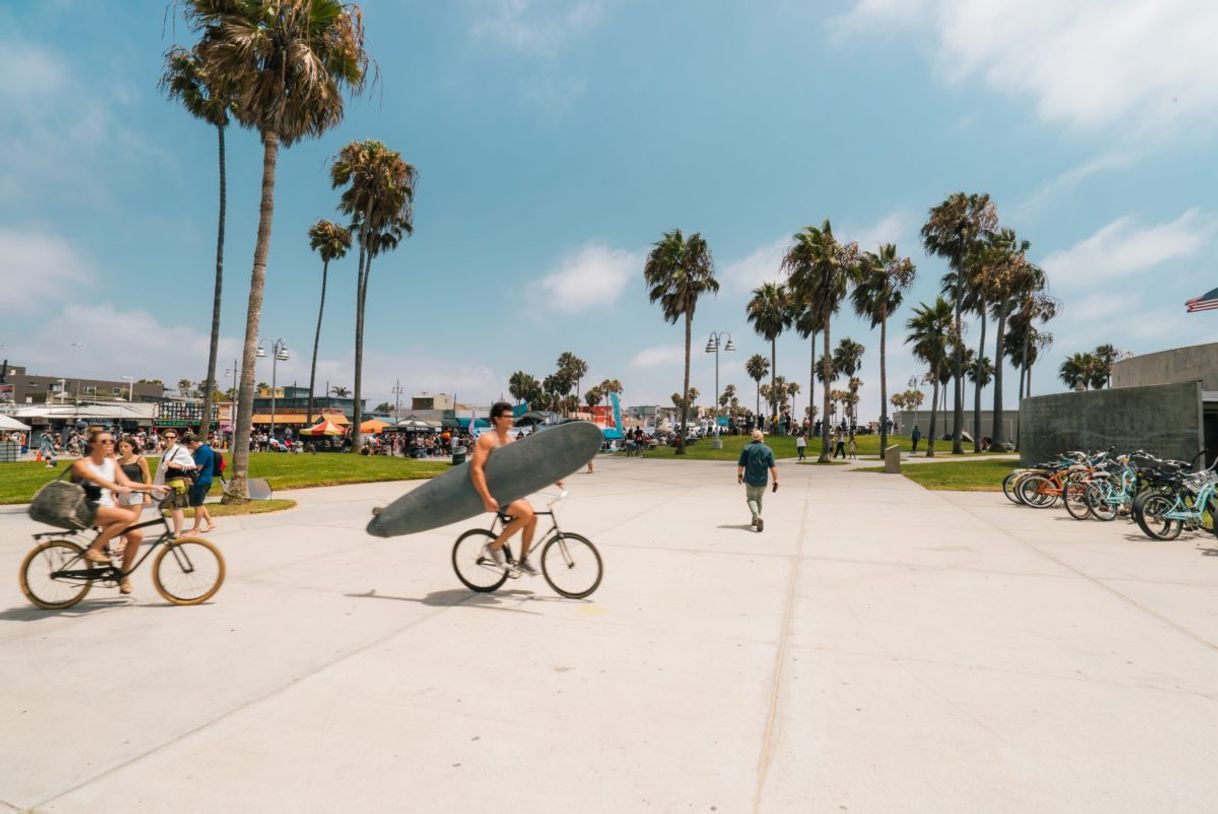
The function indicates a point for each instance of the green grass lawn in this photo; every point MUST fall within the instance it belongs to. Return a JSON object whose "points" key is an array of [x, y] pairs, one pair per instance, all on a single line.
{"points": [[965, 476], [783, 446], [19, 481]]}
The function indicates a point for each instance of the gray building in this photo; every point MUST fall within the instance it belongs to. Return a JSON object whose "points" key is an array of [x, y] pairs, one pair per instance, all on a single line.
{"points": [[19, 387], [1164, 402], [906, 419]]}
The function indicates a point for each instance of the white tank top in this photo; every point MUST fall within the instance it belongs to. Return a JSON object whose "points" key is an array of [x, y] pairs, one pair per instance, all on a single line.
{"points": [[106, 470]]}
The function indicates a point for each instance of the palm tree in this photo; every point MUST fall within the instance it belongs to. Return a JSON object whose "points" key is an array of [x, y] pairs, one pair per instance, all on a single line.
{"points": [[573, 368], [1107, 355], [769, 312], [332, 242], [955, 229], [187, 80], [1075, 371], [756, 368], [185, 386], [930, 332], [340, 391], [820, 270], [286, 63], [883, 280], [594, 396], [379, 198], [793, 390], [847, 359], [1013, 274], [520, 384], [980, 371], [678, 271]]}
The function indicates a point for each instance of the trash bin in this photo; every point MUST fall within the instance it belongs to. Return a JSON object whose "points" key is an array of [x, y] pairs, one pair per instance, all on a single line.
{"points": [[458, 455], [10, 451]]}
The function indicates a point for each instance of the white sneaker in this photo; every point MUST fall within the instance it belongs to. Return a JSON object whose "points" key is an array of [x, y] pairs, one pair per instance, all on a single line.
{"points": [[495, 555]]}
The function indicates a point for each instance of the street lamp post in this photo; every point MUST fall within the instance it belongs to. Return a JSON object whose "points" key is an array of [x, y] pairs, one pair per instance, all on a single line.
{"points": [[130, 388], [279, 353], [713, 345], [397, 400]]}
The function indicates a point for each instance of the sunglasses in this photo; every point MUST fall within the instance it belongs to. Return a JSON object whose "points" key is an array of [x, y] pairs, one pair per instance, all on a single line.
{"points": [[170, 437], [107, 441]]}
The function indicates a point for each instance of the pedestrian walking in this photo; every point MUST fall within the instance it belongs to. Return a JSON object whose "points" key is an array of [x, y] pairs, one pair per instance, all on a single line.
{"points": [[839, 445], [801, 444], [853, 448], [915, 436], [755, 467]]}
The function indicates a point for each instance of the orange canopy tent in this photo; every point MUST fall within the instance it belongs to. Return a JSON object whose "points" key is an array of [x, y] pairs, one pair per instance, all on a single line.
{"points": [[373, 425], [326, 427]]}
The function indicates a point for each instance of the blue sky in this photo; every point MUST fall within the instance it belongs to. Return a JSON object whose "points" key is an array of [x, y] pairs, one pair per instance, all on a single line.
{"points": [[555, 141]]}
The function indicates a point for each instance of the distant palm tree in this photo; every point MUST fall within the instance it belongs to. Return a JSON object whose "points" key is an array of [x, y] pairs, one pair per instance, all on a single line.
{"points": [[594, 396], [848, 358], [793, 390], [185, 386], [980, 371], [520, 384], [286, 63], [1011, 275], [1107, 355], [955, 229], [756, 368], [930, 333], [1075, 371], [769, 312], [677, 272], [820, 271], [187, 79], [379, 197], [573, 368], [883, 280], [340, 391], [332, 242]]}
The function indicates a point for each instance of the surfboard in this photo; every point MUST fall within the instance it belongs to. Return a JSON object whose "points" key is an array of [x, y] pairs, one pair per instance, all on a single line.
{"points": [[512, 472]]}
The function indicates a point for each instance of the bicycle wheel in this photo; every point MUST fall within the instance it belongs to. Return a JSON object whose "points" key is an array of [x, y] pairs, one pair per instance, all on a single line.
{"points": [[188, 571], [473, 563], [1150, 520], [572, 565], [1097, 500], [46, 591], [1009, 484], [1075, 498], [1032, 494]]}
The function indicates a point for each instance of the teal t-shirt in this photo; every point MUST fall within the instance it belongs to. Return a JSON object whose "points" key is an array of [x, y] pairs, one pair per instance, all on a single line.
{"points": [[756, 458]]}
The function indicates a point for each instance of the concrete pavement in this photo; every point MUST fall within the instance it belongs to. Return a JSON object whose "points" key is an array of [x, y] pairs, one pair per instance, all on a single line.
{"points": [[879, 648]]}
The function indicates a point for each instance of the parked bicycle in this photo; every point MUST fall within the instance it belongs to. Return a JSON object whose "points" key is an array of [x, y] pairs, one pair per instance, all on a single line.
{"points": [[55, 574], [570, 562]]}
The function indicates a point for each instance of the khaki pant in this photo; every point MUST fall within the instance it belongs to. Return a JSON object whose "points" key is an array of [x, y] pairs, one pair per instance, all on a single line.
{"points": [[754, 495]]}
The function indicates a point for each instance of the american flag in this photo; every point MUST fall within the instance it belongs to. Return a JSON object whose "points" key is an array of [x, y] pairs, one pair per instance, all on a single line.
{"points": [[1206, 302]]}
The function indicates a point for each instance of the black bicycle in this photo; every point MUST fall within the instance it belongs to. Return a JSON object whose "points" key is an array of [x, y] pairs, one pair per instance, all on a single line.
{"points": [[55, 574], [570, 563]]}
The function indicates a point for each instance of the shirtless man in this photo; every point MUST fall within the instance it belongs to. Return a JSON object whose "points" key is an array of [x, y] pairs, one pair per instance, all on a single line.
{"points": [[521, 511]]}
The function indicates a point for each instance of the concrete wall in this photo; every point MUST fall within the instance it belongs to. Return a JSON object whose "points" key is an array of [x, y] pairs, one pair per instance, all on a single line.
{"points": [[943, 421], [1194, 363], [1164, 419]]}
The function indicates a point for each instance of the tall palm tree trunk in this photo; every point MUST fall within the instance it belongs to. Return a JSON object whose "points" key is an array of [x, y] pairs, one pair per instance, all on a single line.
{"points": [[812, 378], [827, 373], [934, 412], [1023, 377], [238, 484], [773, 384], [684, 405], [325, 271], [361, 290], [977, 386], [958, 371], [883, 382], [999, 437], [209, 385]]}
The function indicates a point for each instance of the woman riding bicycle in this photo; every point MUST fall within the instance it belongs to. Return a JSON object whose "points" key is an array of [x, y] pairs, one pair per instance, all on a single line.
{"points": [[103, 479]]}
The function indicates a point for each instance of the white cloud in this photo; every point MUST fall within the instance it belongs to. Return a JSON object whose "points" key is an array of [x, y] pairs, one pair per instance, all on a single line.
{"points": [[1089, 64], [593, 277], [43, 265], [535, 28], [1120, 249], [892, 228], [659, 355], [761, 266], [1113, 160]]}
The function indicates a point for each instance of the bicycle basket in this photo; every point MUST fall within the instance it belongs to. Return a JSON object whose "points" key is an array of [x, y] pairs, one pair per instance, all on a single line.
{"points": [[58, 504]]}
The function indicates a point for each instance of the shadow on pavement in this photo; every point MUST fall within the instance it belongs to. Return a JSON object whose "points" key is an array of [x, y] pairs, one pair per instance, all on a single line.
{"points": [[742, 527], [459, 596], [30, 613]]}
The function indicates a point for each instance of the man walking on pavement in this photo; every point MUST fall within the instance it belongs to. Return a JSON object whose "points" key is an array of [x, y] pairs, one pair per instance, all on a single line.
{"points": [[755, 466]]}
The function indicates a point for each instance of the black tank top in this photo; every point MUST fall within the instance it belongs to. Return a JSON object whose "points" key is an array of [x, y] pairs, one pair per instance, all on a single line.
{"points": [[132, 471]]}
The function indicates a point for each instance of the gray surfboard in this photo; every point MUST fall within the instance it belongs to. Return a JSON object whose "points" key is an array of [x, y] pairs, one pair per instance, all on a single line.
{"points": [[512, 472]]}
